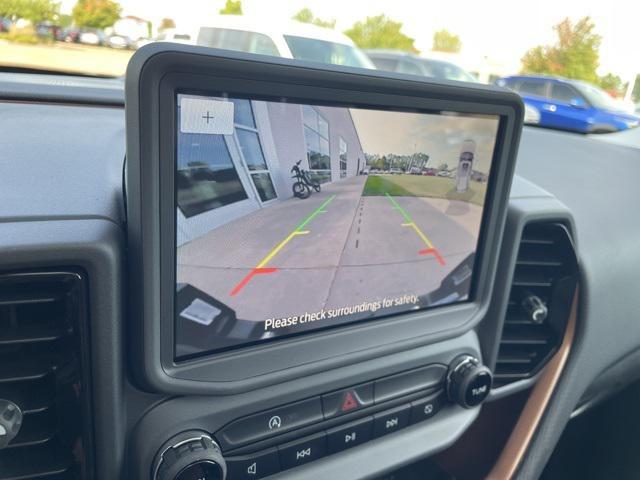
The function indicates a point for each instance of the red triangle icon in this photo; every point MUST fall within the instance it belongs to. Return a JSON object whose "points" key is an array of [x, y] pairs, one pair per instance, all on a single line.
{"points": [[349, 402]]}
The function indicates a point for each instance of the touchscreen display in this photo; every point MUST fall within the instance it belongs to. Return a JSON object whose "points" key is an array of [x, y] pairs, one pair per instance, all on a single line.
{"points": [[292, 218]]}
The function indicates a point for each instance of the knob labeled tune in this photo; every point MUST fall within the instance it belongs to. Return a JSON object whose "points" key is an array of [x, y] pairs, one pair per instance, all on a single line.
{"points": [[468, 382], [190, 456]]}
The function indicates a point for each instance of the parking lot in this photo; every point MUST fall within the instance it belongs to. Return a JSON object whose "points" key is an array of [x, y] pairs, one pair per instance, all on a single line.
{"points": [[66, 57], [335, 249]]}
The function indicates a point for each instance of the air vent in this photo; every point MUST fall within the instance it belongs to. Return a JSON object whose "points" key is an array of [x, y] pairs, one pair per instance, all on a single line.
{"points": [[41, 315], [541, 294]]}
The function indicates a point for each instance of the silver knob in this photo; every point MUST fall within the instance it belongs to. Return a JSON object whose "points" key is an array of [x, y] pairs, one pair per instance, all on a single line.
{"points": [[535, 308], [10, 421]]}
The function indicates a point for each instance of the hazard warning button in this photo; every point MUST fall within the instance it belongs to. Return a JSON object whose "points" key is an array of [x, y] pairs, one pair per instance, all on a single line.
{"points": [[347, 400]]}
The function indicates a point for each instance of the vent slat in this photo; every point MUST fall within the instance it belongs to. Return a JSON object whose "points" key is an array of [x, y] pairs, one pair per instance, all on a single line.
{"points": [[37, 428], [514, 359], [530, 338], [530, 240], [541, 262], [31, 397], [515, 316], [33, 334], [504, 378], [38, 462], [21, 298], [538, 256], [33, 369], [532, 282]]}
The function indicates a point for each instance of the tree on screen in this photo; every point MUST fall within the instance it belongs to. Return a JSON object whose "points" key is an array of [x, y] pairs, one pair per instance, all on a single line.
{"points": [[381, 32], [445, 41], [306, 16], [96, 13], [232, 7], [574, 55]]}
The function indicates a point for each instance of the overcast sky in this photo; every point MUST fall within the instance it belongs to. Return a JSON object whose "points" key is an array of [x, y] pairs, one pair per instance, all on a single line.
{"points": [[439, 136], [502, 30]]}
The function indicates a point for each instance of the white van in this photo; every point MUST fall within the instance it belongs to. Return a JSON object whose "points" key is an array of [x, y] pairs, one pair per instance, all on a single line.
{"points": [[289, 39]]}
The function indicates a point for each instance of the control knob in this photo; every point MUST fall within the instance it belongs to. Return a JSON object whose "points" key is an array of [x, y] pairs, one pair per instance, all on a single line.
{"points": [[535, 309], [192, 455], [10, 421], [468, 381]]}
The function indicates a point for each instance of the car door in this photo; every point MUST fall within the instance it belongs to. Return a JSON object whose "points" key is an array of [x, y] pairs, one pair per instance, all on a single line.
{"points": [[570, 109]]}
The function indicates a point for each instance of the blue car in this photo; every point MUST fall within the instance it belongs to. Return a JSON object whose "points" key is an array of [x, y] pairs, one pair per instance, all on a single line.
{"points": [[569, 104]]}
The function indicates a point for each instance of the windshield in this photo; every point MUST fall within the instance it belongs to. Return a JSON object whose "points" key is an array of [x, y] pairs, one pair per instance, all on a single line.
{"points": [[238, 40], [316, 50], [447, 71], [596, 97], [587, 43]]}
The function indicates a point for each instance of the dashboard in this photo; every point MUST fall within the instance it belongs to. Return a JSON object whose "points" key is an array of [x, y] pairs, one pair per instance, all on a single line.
{"points": [[559, 326]]}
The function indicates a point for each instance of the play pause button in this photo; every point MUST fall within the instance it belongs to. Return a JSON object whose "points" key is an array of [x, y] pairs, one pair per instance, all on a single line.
{"points": [[347, 436]]}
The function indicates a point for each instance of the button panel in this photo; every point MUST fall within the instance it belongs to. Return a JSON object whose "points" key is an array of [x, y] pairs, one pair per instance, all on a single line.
{"points": [[365, 414]]}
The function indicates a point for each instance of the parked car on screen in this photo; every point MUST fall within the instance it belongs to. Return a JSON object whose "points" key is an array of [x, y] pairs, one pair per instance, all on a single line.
{"points": [[405, 62], [288, 39], [570, 104]]}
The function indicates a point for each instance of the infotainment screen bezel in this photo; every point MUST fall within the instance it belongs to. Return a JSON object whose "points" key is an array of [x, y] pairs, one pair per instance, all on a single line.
{"points": [[155, 75]]}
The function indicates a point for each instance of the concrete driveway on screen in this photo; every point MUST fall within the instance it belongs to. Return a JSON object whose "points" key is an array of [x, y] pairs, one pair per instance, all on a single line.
{"points": [[333, 250]]}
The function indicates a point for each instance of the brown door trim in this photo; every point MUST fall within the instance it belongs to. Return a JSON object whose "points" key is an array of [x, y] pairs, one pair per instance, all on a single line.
{"points": [[520, 438]]}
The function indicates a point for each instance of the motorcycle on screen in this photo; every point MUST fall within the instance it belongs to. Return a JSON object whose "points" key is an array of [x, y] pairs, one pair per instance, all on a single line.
{"points": [[303, 182]]}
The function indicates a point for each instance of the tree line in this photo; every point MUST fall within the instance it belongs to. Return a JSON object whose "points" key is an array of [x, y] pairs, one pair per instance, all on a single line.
{"points": [[86, 13]]}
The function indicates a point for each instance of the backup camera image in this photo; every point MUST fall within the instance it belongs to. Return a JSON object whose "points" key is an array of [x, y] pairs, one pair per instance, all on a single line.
{"points": [[296, 217]]}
